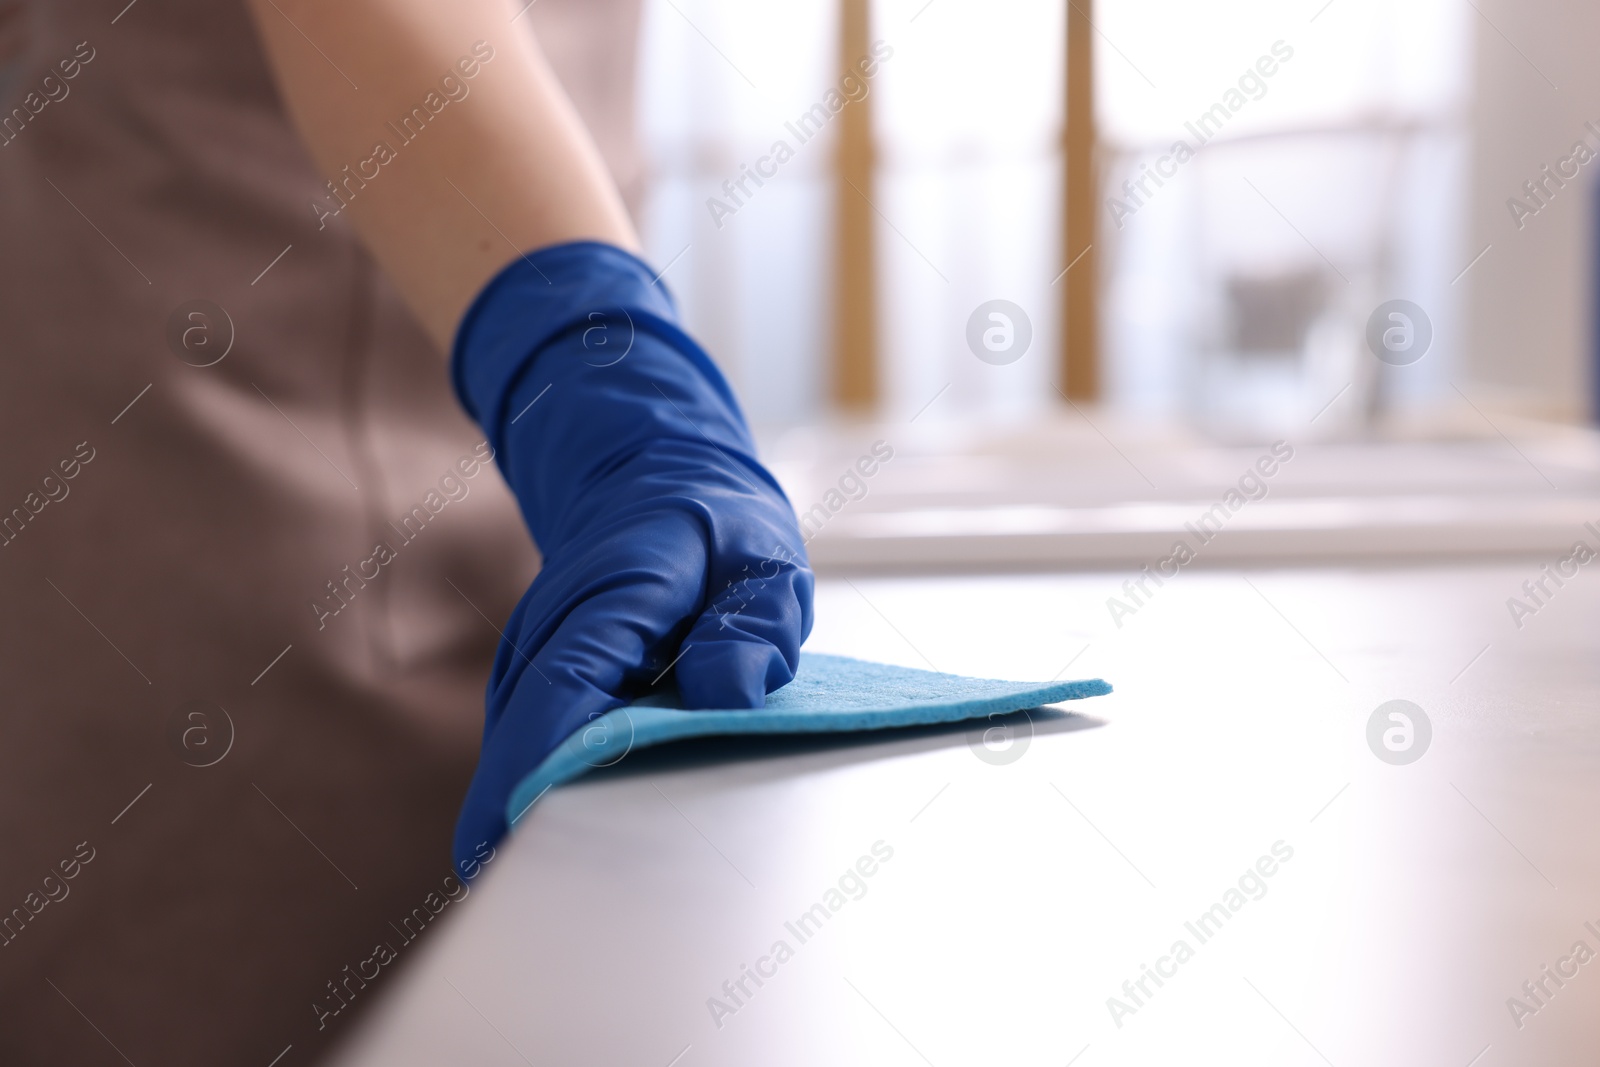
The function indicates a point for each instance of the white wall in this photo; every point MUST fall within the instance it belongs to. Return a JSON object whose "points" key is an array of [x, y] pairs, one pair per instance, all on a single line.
{"points": [[1528, 306]]}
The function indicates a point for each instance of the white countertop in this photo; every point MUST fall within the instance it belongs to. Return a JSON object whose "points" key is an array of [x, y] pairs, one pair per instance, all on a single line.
{"points": [[1073, 493], [1021, 895]]}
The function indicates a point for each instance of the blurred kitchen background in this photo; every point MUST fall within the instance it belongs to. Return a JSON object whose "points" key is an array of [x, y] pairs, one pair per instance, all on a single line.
{"points": [[1356, 152]]}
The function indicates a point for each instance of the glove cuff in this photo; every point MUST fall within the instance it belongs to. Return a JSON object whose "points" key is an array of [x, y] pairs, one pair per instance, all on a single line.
{"points": [[536, 298]]}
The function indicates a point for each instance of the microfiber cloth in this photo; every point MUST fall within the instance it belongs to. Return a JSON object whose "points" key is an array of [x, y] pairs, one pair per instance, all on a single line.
{"points": [[830, 694]]}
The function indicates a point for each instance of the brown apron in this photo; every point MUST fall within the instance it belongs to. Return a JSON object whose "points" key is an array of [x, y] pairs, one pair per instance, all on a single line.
{"points": [[215, 796]]}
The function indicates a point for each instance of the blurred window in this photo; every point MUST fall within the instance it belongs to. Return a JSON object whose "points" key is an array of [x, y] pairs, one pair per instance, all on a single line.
{"points": [[1235, 290]]}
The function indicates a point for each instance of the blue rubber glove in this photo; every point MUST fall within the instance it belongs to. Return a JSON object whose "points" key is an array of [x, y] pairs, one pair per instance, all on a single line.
{"points": [[666, 543]]}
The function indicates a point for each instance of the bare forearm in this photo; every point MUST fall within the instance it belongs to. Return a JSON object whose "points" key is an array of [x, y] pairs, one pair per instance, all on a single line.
{"points": [[498, 164]]}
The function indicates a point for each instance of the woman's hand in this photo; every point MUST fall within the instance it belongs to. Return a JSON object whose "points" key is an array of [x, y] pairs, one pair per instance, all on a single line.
{"points": [[669, 551]]}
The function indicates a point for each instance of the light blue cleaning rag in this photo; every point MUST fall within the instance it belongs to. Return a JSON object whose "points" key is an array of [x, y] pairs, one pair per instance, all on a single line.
{"points": [[830, 694]]}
